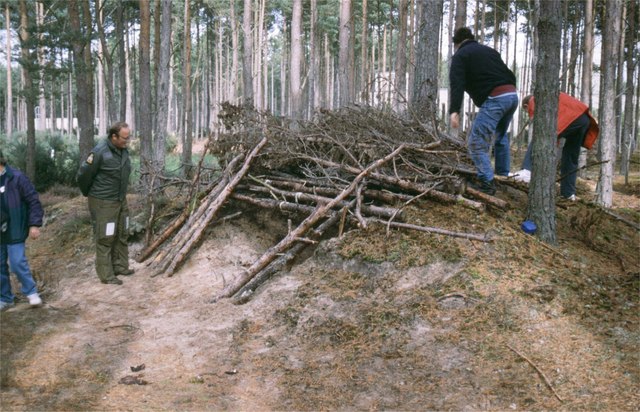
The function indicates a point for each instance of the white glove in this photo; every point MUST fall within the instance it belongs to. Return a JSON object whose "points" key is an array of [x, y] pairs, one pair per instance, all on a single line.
{"points": [[523, 175]]}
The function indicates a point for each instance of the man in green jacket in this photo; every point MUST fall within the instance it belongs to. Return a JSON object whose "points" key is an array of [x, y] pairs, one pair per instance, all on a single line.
{"points": [[104, 177]]}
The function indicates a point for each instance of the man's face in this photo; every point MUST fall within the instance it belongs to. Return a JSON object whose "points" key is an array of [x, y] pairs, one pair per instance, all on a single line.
{"points": [[121, 139]]}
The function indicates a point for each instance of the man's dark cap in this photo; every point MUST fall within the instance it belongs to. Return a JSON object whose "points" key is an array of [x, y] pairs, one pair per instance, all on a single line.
{"points": [[462, 34]]}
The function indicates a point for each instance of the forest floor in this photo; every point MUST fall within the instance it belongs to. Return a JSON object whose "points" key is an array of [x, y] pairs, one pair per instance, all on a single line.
{"points": [[366, 321]]}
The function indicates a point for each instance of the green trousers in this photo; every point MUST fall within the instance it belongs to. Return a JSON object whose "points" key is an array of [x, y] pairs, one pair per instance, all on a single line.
{"points": [[110, 221]]}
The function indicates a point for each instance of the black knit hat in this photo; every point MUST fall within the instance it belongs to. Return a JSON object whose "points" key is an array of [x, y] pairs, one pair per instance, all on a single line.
{"points": [[462, 34]]}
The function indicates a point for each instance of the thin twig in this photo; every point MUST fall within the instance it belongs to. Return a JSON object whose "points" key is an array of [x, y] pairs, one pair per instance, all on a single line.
{"points": [[544, 377], [580, 168]]}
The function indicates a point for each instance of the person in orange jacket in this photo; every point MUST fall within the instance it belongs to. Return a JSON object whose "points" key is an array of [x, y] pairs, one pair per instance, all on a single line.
{"points": [[577, 127]]}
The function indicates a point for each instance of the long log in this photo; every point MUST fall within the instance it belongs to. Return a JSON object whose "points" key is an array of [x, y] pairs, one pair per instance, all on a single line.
{"points": [[470, 236], [244, 294], [492, 200], [274, 204], [383, 196], [177, 223], [180, 255], [285, 243], [406, 185], [186, 229], [307, 197]]}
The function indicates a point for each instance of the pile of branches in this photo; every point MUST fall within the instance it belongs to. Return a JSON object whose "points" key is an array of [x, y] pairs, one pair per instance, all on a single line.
{"points": [[354, 166]]}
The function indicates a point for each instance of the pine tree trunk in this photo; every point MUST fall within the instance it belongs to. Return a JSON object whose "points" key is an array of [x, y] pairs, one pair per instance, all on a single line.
{"points": [[627, 129], [144, 110], [461, 13], [296, 58], [162, 89], [100, 93], [120, 35], [29, 91], [42, 102], [620, 76], [9, 105], [364, 62], [314, 64], [83, 71], [187, 137], [247, 55], [541, 207], [232, 79], [607, 146], [400, 100], [112, 111], [587, 68], [344, 70], [425, 87]]}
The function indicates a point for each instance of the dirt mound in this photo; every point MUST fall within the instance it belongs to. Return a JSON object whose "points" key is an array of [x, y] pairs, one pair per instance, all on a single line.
{"points": [[408, 320]]}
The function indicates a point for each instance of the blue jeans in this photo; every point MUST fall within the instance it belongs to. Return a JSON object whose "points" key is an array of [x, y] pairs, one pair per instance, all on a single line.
{"points": [[492, 121], [574, 135], [17, 259]]}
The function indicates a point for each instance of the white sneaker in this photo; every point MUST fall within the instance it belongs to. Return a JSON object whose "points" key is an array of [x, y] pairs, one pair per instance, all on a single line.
{"points": [[5, 305], [572, 198], [34, 299], [523, 175]]}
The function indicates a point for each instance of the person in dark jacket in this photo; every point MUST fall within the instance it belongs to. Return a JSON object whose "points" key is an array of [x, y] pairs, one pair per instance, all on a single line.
{"points": [[20, 217], [104, 177], [480, 71]]}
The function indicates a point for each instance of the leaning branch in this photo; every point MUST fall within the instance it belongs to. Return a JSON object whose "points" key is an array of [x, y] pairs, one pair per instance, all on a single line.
{"points": [[298, 232]]}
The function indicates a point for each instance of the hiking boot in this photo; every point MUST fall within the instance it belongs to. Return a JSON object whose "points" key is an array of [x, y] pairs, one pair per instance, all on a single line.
{"points": [[5, 305], [34, 300], [127, 272], [113, 281], [488, 187]]}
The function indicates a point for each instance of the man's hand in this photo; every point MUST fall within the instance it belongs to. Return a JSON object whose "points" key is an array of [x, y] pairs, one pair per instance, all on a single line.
{"points": [[34, 232], [454, 120]]}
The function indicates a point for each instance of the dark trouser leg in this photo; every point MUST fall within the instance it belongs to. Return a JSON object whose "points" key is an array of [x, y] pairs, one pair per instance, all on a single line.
{"points": [[120, 247], [104, 216], [574, 135]]}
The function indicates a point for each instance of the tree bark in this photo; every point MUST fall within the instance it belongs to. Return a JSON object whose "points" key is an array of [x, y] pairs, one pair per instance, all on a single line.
{"points": [[607, 146], [587, 65], [314, 60], [541, 208], [42, 102], [162, 89], [627, 129], [144, 112], [401, 60], [120, 35], [344, 71], [425, 87], [9, 103], [247, 55], [187, 137], [461, 13], [28, 69], [112, 111], [295, 91]]}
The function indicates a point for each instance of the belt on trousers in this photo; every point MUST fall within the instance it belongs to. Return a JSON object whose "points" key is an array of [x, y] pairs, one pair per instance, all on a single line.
{"points": [[500, 90]]}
